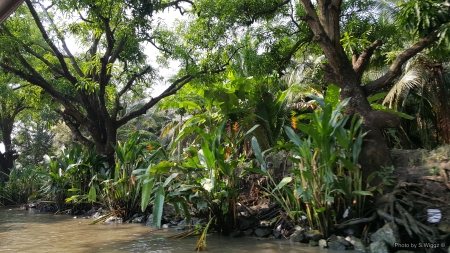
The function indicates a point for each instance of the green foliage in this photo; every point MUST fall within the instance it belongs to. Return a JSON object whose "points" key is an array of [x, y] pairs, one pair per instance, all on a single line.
{"points": [[424, 16], [55, 181], [326, 176], [23, 182], [205, 178], [122, 192]]}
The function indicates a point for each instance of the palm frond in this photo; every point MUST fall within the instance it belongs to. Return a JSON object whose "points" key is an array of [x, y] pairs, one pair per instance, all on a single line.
{"points": [[415, 78]]}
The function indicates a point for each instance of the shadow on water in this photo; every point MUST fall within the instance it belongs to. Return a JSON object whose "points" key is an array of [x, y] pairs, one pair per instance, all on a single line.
{"points": [[22, 231]]}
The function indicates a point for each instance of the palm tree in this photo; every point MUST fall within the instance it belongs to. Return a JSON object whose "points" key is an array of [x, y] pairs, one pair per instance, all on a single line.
{"points": [[424, 91]]}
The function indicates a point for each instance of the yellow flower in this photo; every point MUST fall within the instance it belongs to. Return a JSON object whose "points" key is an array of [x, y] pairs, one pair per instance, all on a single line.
{"points": [[227, 152], [236, 126], [294, 122]]}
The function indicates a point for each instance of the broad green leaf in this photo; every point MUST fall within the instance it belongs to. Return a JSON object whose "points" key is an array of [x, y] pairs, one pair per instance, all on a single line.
{"points": [[162, 167], [392, 111], [158, 206], [146, 191], [282, 183], [169, 179], [208, 157], [363, 193], [293, 136], [332, 95], [92, 195], [258, 154], [376, 97], [256, 171]]}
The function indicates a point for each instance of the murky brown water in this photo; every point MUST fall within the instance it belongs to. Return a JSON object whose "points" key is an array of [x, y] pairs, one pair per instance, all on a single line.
{"points": [[23, 231]]}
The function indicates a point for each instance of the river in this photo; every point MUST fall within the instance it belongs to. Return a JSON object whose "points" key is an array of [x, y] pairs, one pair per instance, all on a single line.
{"points": [[25, 231]]}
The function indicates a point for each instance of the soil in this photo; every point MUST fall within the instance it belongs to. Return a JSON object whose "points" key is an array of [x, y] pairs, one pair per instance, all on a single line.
{"points": [[428, 168]]}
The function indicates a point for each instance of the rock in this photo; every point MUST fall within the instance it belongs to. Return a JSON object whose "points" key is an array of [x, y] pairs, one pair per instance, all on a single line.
{"points": [[388, 233], [338, 243], [138, 219], [236, 233], [266, 223], [313, 243], [314, 235], [277, 231], [357, 243], [379, 247], [96, 215], [444, 227], [298, 228], [248, 232], [323, 243], [165, 225], [335, 245], [244, 224], [113, 219], [343, 241], [149, 221], [297, 236], [262, 232]]}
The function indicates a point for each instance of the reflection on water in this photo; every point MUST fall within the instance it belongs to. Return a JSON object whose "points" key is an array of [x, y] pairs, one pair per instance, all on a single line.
{"points": [[22, 231]]}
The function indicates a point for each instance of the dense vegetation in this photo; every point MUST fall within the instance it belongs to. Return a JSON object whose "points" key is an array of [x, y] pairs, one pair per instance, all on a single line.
{"points": [[335, 84]]}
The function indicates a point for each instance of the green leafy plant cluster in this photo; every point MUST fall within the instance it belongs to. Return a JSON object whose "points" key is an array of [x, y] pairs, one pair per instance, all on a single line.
{"points": [[326, 178], [22, 183]]}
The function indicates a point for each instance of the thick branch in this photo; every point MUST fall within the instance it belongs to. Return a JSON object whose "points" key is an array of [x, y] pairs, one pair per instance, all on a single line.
{"points": [[364, 58], [312, 19], [132, 79], [63, 43], [38, 80], [325, 27], [32, 52], [47, 39], [396, 67], [75, 129], [172, 89], [293, 50]]}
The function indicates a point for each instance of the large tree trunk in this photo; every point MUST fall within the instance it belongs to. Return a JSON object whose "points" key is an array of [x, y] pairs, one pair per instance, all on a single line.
{"points": [[6, 126]]}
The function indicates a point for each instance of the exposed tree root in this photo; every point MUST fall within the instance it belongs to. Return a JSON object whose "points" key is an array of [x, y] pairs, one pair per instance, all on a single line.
{"points": [[357, 221], [401, 199], [401, 206]]}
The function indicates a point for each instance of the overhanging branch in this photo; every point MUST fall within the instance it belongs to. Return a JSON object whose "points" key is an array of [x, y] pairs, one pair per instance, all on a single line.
{"points": [[75, 129], [364, 58], [396, 67], [172, 89]]}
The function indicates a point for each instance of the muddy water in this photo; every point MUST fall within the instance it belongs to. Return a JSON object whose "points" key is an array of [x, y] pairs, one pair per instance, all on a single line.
{"points": [[23, 231]]}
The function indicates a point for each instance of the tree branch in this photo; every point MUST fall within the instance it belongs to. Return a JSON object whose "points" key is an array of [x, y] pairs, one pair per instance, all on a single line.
{"points": [[75, 129], [32, 52], [172, 89], [63, 42], [47, 39], [38, 80], [293, 50], [396, 67], [364, 58], [132, 79]]}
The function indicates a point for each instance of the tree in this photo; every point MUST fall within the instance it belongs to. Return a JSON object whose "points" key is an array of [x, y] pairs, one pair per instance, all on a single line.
{"points": [[324, 22], [346, 34], [93, 87], [15, 98]]}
